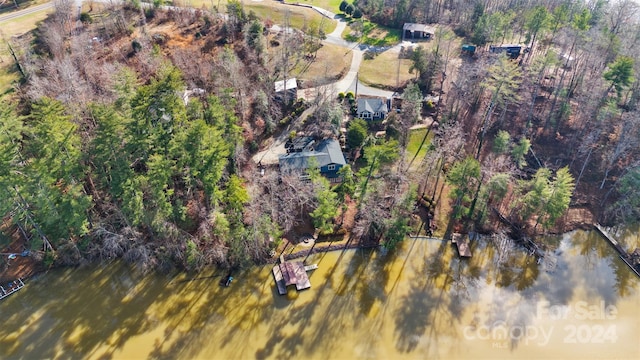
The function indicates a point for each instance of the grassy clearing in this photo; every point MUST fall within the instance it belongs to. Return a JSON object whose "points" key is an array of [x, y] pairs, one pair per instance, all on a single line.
{"points": [[274, 11], [331, 5], [443, 206], [299, 17], [199, 4], [370, 72], [9, 6], [10, 28], [414, 143], [369, 33], [442, 209], [330, 64], [23, 24], [7, 77]]}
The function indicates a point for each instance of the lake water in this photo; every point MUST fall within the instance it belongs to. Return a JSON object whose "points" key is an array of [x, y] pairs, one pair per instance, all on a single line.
{"points": [[419, 302]]}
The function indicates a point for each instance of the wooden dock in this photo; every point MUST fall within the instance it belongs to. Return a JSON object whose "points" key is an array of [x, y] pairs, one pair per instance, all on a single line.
{"points": [[292, 273], [310, 267], [462, 244], [626, 257], [10, 288]]}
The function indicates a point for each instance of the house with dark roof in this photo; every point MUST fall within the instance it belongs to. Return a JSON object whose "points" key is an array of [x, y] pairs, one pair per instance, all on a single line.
{"points": [[372, 109], [417, 31], [326, 156]]}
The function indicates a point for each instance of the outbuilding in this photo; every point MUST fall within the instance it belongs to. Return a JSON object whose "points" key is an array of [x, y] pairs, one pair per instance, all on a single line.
{"points": [[286, 90], [411, 31]]}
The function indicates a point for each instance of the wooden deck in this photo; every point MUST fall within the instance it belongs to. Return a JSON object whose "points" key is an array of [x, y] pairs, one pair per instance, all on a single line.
{"points": [[462, 243], [626, 257], [292, 273], [10, 288]]}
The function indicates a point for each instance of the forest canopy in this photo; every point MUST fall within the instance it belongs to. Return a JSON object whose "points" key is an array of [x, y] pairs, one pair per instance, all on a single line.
{"points": [[133, 136]]}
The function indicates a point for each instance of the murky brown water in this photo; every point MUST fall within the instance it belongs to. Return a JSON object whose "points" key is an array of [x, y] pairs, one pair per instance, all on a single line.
{"points": [[419, 302]]}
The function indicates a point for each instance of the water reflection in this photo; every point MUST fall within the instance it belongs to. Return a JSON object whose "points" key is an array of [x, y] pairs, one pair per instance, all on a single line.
{"points": [[417, 301]]}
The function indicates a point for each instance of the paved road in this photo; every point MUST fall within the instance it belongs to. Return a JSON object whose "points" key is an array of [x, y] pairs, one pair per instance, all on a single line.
{"points": [[348, 82], [27, 11]]}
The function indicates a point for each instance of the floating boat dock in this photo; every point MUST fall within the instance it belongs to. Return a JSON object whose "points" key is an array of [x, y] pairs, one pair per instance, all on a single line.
{"points": [[310, 267], [292, 273], [462, 244], [616, 245], [10, 288]]}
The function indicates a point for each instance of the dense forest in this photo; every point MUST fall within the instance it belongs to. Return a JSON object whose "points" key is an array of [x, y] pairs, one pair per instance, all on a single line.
{"points": [[122, 141]]}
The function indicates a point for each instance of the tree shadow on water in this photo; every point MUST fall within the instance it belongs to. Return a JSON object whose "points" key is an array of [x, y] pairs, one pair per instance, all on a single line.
{"points": [[219, 315], [75, 312], [318, 323], [426, 311]]}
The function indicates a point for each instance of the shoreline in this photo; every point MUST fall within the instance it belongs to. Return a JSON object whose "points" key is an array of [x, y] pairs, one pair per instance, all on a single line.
{"points": [[30, 268]]}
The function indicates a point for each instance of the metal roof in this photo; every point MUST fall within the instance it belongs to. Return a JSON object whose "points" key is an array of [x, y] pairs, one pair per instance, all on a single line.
{"points": [[419, 27], [283, 85]]}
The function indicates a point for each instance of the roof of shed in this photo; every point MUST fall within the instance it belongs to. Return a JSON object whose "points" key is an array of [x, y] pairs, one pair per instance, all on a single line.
{"points": [[288, 84], [419, 27]]}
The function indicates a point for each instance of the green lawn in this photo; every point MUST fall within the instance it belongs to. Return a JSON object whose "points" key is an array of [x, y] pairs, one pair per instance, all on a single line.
{"points": [[208, 4], [274, 11], [9, 6], [331, 5], [270, 9], [17, 26], [299, 17], [7, 77], [22, 24], [414, 143], [372, 34]]}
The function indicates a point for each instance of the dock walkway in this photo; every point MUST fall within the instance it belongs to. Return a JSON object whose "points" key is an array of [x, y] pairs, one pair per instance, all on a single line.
{"points": [[616, 245], [12, 287]]}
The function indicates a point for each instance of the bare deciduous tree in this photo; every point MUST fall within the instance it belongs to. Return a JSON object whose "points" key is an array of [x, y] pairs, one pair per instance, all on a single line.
{"points": [[622, 140]]}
